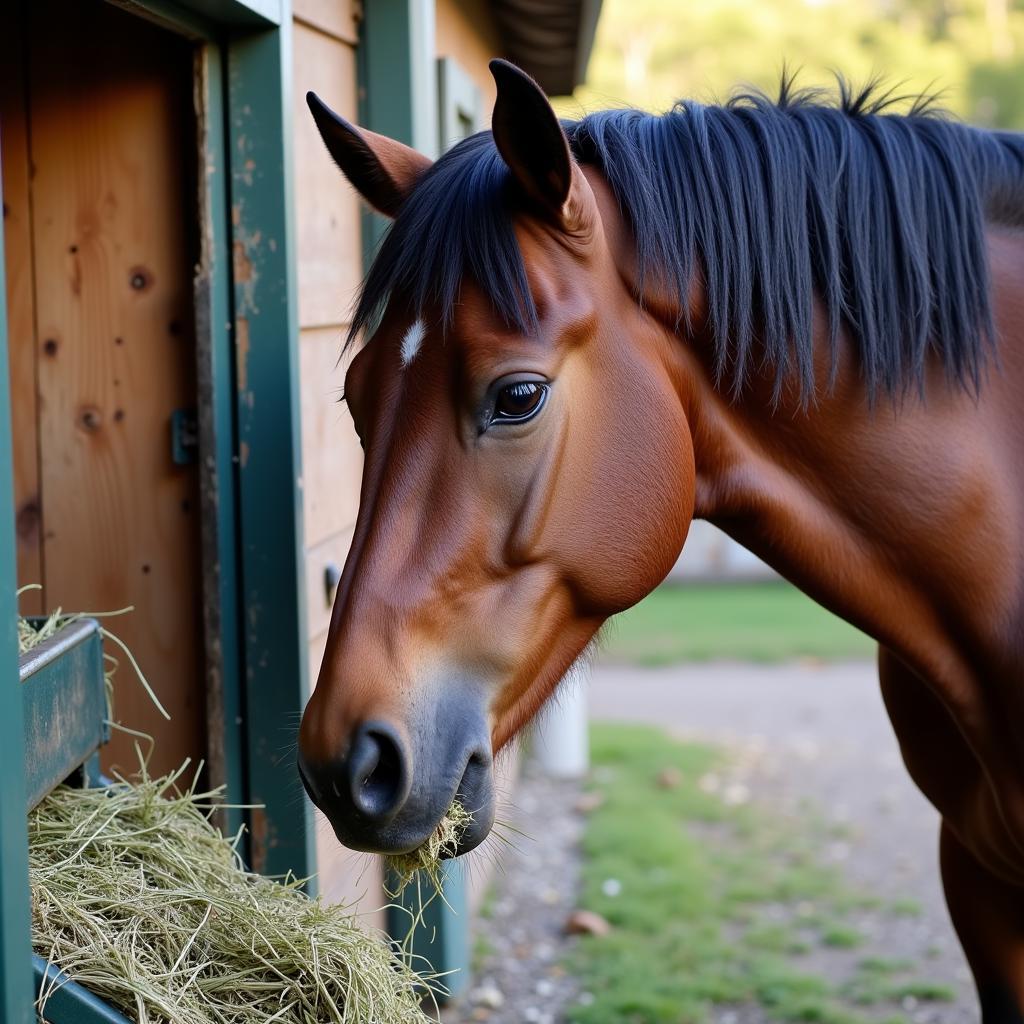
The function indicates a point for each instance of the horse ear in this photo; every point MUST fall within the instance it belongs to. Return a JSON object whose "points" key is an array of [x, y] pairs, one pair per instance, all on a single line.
{"points": [[382, 170], [530, 139]]}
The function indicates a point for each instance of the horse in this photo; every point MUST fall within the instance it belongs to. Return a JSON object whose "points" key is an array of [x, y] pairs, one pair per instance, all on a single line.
{"points": [[799, 318]]}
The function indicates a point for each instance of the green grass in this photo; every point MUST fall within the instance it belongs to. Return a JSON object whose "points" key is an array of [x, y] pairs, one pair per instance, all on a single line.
{"points": [[906, 908], [765, 622], [841, 936], [712, 904]]}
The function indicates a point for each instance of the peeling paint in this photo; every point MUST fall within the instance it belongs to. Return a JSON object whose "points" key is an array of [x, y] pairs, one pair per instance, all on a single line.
{"points": [[280, 834], [246, 257], [243, 265], [242, 350]]}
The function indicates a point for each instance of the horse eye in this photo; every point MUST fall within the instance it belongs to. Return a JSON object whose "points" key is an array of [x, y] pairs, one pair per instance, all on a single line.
{"points": [[518, 402]]}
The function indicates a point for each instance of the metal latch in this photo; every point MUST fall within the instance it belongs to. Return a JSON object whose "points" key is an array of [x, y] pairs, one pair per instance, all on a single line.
{"points": [[184, 436]]}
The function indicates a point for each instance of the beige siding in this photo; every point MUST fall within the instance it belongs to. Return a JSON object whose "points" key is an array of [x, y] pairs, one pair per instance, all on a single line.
{"points": [[327, 210], [329, 271], [465, 31], [331, 457], [337, 18], [331, 552], [344, 876]]}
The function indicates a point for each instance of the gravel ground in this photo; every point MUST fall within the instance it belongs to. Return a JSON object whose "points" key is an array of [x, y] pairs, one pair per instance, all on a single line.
{"points": [[805, 738], [519, 937]]}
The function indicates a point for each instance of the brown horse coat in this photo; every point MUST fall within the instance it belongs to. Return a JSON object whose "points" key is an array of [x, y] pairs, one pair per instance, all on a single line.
{"points": [[489, 549]]}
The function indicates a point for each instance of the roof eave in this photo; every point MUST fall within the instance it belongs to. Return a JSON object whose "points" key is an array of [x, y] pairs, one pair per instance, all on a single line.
{"points": [[549, 39]]}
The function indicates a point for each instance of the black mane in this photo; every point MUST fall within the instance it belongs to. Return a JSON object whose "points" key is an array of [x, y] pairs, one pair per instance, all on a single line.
{"points": [[880, 215]]}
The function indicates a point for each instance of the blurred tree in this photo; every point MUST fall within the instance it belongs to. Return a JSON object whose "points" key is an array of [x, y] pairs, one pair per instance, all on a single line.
{"points": [[650, 52]]}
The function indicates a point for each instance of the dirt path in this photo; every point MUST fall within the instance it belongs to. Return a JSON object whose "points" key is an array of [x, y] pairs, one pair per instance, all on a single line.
{"points": [[811, 736], [519, 934], [805, 739]]}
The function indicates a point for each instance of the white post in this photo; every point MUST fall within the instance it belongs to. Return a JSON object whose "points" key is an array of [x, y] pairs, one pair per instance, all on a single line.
{"points": [[560, 743]]}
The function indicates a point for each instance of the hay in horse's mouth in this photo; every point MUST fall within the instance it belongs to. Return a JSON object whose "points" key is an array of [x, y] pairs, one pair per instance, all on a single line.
{"points": [[442, 843]]}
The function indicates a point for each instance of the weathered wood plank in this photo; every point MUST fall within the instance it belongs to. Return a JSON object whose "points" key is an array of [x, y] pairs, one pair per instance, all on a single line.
{"points": [[338, 18], [353, 879], [113, 144], [465, 30], [328, 554], [329, 246], [332, 461]]}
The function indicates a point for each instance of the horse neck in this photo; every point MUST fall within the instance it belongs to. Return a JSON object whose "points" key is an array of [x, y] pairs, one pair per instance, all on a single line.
{"points": [[851, 502], [882, 513]]}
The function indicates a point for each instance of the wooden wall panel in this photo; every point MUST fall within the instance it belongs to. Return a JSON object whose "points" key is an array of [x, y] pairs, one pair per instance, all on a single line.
{"points": [[329, 271], [338, 18], [465, 30], [331, 457], [353, 879], [344, 876], [332, 551], [20, 310], [330, 257], [112, 151]]}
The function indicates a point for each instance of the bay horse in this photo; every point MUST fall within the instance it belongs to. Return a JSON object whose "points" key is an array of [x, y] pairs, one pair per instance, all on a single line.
{"points": [[802, 320]]}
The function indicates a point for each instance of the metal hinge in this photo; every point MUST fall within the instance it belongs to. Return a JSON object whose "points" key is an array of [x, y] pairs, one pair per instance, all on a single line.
{"points": [[184, 436]]}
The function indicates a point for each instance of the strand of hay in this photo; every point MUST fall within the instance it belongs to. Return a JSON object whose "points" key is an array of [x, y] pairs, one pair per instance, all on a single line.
{"points": [[30, 635], [137, 896], [428, 858]]}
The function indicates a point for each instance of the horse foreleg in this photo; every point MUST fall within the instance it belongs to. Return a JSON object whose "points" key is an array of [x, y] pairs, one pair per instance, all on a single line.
{"points": [[987, 911], [988, 915]]}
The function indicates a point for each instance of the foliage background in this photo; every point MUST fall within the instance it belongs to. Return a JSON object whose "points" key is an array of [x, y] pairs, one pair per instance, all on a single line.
{"points": [[648, 53]]}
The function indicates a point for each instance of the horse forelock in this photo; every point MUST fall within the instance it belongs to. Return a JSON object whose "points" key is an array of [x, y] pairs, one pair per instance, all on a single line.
{"points": [[879, 216]]}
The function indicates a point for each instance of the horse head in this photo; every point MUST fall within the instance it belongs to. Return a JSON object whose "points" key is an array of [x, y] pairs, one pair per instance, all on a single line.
{"points": [[528, 471]]}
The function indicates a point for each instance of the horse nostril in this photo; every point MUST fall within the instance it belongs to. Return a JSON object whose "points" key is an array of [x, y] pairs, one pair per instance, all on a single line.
{"points": [[377, 771]]}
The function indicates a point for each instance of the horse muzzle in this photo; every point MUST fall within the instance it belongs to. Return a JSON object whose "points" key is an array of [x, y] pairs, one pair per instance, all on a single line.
{"points": [[387, 789]]}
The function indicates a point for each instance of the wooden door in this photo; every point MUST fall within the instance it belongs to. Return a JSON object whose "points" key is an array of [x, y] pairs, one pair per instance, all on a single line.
{"points": [[99, 125]]}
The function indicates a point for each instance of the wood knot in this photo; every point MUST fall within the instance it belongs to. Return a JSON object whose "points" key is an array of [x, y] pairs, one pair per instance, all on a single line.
{"points": [[90, 419], [28, 520], [140, 278]]}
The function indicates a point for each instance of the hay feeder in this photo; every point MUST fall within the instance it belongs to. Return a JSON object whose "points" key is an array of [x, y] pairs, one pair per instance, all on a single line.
{"points": [[138, 895]]}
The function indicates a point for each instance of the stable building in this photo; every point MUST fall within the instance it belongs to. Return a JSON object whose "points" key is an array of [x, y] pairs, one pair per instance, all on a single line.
{"points": [[179, 259]]}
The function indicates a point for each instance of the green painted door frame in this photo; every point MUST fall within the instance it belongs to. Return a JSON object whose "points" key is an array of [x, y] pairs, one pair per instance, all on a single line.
{"points": [[397, 85], [247, 301], [398, 93], [259, 74], [247, 335], [247, 342], [15, 947]]}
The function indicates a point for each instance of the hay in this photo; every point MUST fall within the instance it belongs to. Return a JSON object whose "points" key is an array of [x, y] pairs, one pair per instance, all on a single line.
{"points": [[427, 859], [30, 636], [137, 896]]}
